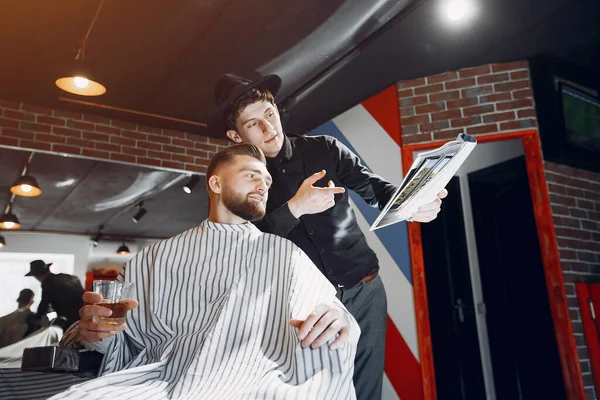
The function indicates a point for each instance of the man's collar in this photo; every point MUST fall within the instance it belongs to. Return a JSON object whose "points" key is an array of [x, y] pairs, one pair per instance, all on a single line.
{"points": [[285, 154]]}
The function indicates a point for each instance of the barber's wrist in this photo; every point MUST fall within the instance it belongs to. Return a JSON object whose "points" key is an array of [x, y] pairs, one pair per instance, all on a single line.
{"points": [[295, 209]]}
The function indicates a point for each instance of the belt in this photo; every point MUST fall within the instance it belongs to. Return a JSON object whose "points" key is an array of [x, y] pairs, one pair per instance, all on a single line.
{"points": [[363, 280]]}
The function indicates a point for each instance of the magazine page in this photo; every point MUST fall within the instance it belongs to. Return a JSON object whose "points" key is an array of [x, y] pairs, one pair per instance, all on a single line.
{"points": [[430, 173]]}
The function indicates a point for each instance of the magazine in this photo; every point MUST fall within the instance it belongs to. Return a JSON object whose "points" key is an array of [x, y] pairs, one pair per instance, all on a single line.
{"points": [[429, 174]]}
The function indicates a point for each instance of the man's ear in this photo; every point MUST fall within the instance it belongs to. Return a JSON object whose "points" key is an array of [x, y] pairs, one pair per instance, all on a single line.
{"points": [[233, 135], [214, 183]]}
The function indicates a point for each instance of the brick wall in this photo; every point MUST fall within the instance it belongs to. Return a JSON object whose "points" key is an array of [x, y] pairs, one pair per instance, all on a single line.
{"points": [[498, 98], [39, 128], [481, 100], [575, 199]]}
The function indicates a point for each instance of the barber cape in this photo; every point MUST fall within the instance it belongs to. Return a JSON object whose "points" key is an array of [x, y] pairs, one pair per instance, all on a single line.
{"points": [[213, 323]]}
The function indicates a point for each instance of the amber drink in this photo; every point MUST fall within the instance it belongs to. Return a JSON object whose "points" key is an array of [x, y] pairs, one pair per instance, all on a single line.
{"points": [[115, 296]]}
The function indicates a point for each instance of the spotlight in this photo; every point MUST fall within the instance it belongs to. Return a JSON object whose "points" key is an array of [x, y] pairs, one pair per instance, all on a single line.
{"points": [[191, 183], [26, 186], [2, 242], [123, 250], [141, 212], [96, 239], [9, 221]]}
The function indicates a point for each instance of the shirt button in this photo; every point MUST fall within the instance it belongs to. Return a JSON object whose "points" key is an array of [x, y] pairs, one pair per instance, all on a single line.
{"points": [[283, 170], [311, 232], [322, 251], [329, 272]]}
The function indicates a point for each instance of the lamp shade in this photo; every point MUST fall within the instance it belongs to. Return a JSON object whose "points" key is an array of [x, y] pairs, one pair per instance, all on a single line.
{"points": [[79, 81], [123, 250], [26, 186], [9, 221], [2, 242]]}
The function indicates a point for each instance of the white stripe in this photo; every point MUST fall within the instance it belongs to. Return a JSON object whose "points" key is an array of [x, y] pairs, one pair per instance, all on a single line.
{"points": [[401, 305], [387, 391], [372, 143]]}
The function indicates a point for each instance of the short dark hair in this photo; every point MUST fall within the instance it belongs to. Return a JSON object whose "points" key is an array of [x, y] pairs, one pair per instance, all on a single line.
{"points": [[229, 153], [25, 296], [244, 100]]}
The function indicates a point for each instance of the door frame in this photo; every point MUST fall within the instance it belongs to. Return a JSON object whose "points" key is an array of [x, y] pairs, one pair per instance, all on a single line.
{"points": [[550, 257]]}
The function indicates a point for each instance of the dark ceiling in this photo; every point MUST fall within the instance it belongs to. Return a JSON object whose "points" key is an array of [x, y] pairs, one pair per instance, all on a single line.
{"points": [[164, 57]]}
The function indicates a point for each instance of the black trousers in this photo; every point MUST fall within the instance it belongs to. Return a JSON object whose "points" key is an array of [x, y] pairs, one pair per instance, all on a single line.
{"points": [[368, 304]]}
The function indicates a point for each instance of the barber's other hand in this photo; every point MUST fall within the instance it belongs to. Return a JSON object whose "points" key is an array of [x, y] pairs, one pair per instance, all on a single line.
{"points": [[321, 325], [92, 332], [313, 200], [429, 212]]}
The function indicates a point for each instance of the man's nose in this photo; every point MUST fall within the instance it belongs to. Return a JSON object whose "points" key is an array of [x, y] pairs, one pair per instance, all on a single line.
{"points": [[266, 126]]}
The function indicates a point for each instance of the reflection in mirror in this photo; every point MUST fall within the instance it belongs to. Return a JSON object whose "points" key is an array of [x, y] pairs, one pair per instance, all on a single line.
{"points": [[86, 212]]}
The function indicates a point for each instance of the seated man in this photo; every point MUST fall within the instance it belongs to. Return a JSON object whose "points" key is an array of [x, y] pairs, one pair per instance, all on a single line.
{"points": [[225, 311], [22, 322]]}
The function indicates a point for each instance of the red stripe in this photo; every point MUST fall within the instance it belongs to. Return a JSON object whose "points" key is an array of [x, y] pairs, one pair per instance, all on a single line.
{"points": [[401, 367], [385, 109]]}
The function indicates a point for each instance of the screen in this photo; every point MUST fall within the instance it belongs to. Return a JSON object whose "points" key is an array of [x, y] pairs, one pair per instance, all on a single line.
{"points": [[582, 119]]}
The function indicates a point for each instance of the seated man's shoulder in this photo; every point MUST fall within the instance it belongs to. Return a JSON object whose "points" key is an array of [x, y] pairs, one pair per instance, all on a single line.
{"points": [[281, 245]]}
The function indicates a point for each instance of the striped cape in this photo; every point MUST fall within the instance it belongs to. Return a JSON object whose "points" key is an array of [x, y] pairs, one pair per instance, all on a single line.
{"points": [[215, 302]]}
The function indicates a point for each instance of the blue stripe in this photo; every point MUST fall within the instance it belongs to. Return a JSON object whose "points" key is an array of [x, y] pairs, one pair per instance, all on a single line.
{"points": [[393, 237]]}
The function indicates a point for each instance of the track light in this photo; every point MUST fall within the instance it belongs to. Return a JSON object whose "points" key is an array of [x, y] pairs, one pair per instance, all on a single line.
{"points": [[123, 250], [141, 212], [9, 221], [191, 183], [96, 239], [2, 242], [26, 186]]}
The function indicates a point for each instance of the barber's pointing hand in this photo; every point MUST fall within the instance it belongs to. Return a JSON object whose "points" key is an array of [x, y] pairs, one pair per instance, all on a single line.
{"points": [[91, 331], [313, 200]]}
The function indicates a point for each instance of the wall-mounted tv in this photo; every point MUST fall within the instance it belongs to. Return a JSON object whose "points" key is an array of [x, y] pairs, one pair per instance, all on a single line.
{"points": [[581, 115]]}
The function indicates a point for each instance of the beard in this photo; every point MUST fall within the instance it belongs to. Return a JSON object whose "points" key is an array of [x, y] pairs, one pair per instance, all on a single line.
{"points": [[240, 205]]}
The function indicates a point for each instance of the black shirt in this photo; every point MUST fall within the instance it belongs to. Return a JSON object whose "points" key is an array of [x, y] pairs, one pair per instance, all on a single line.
{"points": [[64, 292], [332, 239]]}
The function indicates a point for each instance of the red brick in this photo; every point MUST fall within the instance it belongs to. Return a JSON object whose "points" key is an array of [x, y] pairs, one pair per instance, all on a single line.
{"points": [[522, 94], [66, 132], [515, 104], [108, 129], [134, 151], [519, 124], [492, 98], [447, 134], [177, 134], [159, 155], [219, 142], [96, 119], [182, 143], [405, 93], [452, 104], [414, 101], [148, 145], [411, 83], [44, 137], [450, 114], [553, 188], [497, 117], [476, 91], [18, 115], [15, 133], [149, 129], [122, 141], [80, 125], [30, 126], [183, 158], [99, 137], [9, 123], [159, 139], [50, 120], [528, 113], [123, 124], [446, 76], [407, 111], [148, 161], [36, 109], [585, 204], [451, 95], [104, 155], [469, 72], [428, 108], [563, 200], [479, 129], [459, 84], [509, 86], [478, 110], [171, 164], [134, 135], [510, 66], [198, 153], [461, 122], [439, 87], [67, 114], [195, 137], [29, 144], [577, 213], [61, 148], [171, 149], [122, 157], [8, 141], [108, 147], [419, 119], [434, 126], [203, 146], [483, 80], [516, 75], [406, 130], [81, 143], [10, 104]]}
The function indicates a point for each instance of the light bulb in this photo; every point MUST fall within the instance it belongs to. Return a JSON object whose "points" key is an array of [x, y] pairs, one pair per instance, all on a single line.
{"points": [[9, 224], [81, 82], [26, 188], [456, 10]]}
